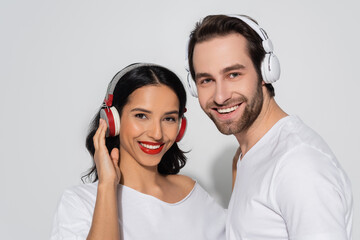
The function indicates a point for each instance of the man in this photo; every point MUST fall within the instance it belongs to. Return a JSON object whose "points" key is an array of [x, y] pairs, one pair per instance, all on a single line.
{"points": [[289, 184]]}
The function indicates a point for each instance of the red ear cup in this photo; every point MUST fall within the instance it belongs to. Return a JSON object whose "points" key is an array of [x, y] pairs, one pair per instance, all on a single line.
{"points": [[182, 129], [111, 116]]}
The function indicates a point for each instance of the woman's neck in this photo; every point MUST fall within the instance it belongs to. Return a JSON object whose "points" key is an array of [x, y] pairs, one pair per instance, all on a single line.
{"points": [[147, 180], [137, 176]]}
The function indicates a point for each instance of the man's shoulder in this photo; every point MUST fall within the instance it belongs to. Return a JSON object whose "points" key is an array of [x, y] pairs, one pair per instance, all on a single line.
{"points": [[294, 137], [308, 165]]}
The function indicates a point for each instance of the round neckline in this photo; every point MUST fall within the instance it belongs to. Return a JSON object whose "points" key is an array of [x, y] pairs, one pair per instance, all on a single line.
{"points": [[147, 196]]}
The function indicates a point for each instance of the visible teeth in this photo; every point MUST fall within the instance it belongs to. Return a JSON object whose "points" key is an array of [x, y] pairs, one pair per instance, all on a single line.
{"points": [[227, 110], [150, 146]]}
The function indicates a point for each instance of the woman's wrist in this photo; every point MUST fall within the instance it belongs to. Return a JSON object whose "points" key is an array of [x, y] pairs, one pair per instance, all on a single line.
{"points": [[108, 184]]}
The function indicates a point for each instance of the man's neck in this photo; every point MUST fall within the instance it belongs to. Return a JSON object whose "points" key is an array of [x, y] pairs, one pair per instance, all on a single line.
{"points": [[270, 114]]}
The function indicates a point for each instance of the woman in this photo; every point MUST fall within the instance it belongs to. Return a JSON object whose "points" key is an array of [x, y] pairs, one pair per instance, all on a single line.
{"points": [[137, 193]]}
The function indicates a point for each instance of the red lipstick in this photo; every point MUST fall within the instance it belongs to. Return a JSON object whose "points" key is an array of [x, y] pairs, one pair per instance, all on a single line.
{"points": [[151, 148]]}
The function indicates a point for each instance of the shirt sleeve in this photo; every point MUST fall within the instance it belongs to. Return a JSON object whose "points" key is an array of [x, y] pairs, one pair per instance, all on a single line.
{"points": [[72, 220], [309, 194]]}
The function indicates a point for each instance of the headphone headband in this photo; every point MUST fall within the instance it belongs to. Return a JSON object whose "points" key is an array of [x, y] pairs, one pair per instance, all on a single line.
{"points": [[111, 87], [267, 44], [261, 32]]}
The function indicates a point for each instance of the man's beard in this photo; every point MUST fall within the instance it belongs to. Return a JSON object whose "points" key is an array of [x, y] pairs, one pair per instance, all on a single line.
{"points": [[250, 114]]}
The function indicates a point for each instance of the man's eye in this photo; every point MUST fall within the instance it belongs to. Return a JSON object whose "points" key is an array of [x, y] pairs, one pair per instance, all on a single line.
{"points": [[205, 81], [140, 115], [234, 75]]}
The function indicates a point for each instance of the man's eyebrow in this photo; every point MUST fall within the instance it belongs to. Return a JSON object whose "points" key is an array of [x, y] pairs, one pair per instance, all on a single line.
{"points": [[225, 70], [233, 67], [201, 75]]}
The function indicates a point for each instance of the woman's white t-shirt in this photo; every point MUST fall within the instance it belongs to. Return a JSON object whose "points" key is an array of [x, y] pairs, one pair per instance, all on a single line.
{"points": [[142, 216]]}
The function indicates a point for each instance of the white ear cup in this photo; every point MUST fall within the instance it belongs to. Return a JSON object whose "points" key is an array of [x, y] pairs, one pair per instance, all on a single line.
{"points": [[191, 85], [270, 68]]}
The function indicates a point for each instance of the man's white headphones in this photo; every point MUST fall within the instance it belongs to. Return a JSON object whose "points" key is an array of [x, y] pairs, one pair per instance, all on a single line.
{"points": [[270, 65], [111, 115]]}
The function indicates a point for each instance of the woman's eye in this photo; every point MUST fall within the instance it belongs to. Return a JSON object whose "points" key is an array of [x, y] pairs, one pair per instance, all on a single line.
{"points": [[140, 115], [170, 119]]}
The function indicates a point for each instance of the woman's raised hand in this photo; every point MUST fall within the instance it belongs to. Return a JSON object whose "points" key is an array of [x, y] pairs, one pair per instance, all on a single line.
{"points": [[107, 165], [105, 223]]}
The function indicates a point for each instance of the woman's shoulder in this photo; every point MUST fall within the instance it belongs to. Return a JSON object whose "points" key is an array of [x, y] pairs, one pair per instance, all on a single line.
{"points": [[179, 187], [198, 195], [182, 180], [81, 191]]}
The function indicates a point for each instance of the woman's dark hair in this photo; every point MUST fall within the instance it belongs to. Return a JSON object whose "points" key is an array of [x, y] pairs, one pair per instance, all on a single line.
{"points": [[174, 159], [222, 25]]}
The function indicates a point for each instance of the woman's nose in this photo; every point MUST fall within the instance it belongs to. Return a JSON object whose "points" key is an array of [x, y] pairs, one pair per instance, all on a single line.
{"points": [[156, 131]]}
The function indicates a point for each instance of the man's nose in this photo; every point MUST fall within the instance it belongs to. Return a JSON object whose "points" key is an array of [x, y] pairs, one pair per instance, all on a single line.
{"points": [[222, 92]]}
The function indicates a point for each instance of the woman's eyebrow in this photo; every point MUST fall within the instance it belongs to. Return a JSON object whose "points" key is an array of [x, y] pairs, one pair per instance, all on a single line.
{"points": [[147, 111], [172, 112], [140, 110]]}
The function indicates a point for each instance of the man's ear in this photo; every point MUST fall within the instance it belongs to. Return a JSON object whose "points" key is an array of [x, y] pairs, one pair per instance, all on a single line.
{"points": [[264, 89]]}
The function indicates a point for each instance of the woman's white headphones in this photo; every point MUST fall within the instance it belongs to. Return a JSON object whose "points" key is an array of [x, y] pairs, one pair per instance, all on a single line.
{"points": [[112, 116], [270, 65]]}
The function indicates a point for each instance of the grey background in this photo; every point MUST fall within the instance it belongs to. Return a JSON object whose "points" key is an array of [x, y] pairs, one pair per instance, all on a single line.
{"points": [[57, 58]]}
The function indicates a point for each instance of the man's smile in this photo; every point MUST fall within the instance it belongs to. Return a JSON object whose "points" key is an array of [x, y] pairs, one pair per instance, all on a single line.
{"points": [[226, 109]]}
